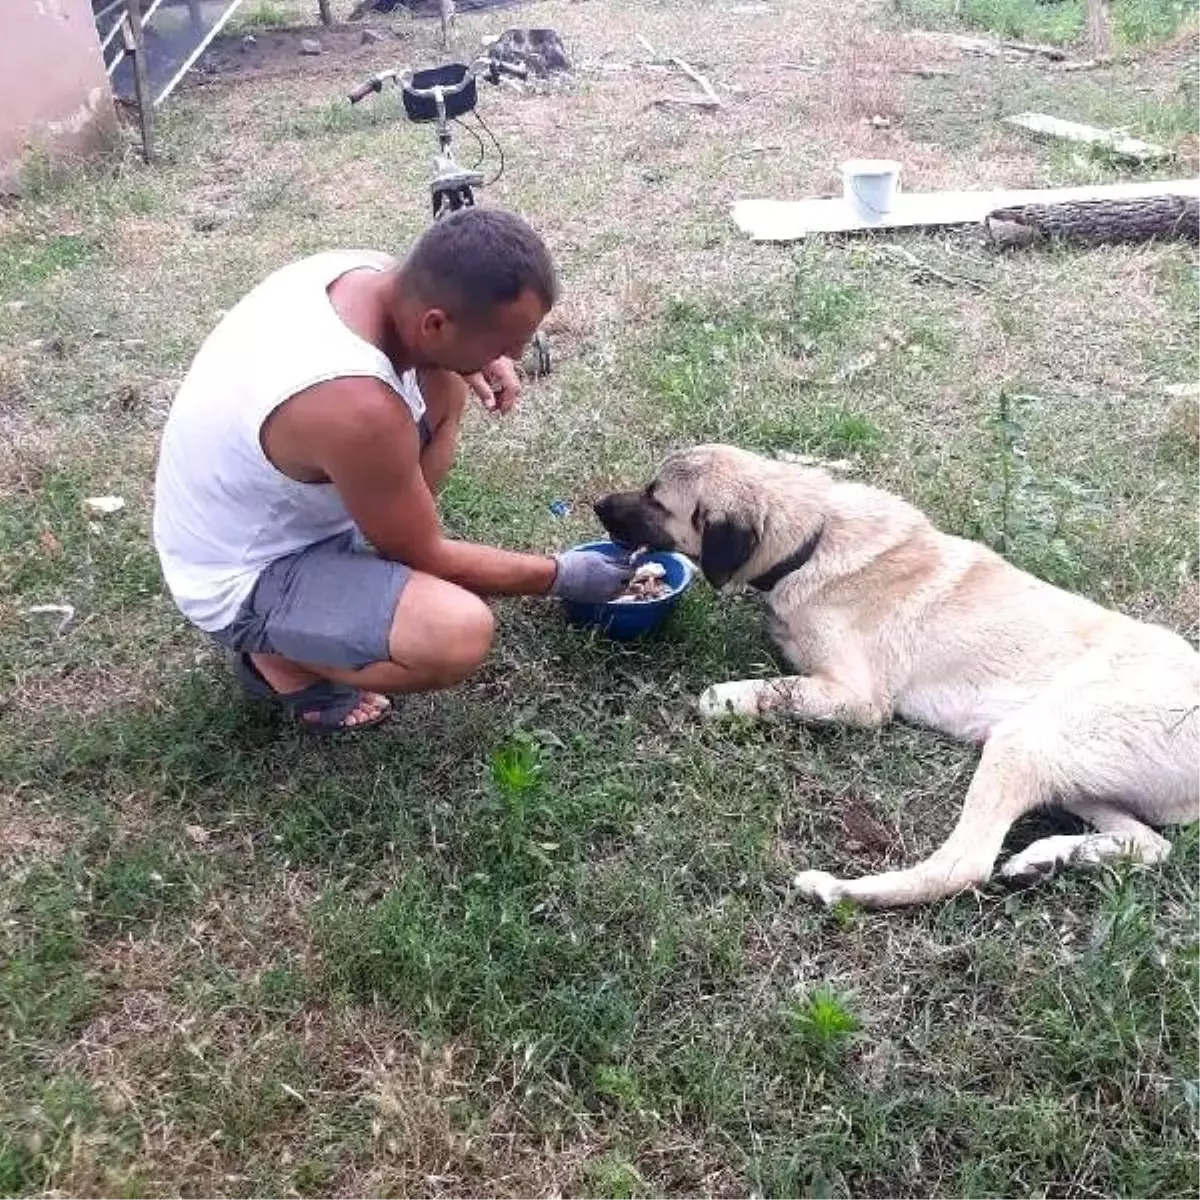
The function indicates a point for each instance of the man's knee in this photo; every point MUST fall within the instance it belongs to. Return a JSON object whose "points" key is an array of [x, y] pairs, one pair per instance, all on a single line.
{"points": [[471, 642], [441, 631]]}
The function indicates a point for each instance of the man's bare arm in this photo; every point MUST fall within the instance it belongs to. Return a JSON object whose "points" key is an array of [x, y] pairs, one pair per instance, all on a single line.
{"points": [[359, 435]]}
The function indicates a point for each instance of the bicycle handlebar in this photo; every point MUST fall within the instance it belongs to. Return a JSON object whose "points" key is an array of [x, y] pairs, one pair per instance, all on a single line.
{"points": [[374, 84], [493, 69]]}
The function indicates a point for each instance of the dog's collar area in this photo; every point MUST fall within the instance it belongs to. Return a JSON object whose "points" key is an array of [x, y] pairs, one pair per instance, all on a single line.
{"points": [[794, 561]]}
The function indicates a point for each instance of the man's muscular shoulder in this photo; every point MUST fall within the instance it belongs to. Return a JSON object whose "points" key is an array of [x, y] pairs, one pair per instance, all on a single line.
{"points": [[353, 416]]}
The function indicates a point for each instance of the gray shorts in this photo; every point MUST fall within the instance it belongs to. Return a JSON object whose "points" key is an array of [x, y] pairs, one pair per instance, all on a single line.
{"points": [[331, 605]]}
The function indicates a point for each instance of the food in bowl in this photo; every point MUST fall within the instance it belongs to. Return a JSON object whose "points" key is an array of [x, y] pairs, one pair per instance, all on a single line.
{"points": [[649, 582]]}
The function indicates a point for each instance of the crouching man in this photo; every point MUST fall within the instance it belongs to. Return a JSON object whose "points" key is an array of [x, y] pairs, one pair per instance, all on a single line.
{"points": [[295, 507]]}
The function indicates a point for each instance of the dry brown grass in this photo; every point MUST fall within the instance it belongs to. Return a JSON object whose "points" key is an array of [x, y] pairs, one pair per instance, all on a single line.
{"points": [[30, 832]]}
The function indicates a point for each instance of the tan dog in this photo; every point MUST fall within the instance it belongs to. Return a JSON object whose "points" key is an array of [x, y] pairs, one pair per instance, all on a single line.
{"points": [[887, 616]]}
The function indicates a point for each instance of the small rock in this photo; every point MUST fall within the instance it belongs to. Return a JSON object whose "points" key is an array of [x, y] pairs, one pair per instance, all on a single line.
{"points": [[878, 122], [310, 46], [104, 505], [541, 51], [370, 36], [197, 833], [248, 43]]}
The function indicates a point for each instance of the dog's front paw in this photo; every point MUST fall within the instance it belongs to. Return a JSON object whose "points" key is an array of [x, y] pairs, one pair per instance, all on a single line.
{"points": [[729, 699], [1030, 868], [820, 885], [1045, 857]]}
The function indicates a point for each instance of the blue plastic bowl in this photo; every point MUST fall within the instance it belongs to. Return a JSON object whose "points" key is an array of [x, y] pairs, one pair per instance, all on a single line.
{"points": [[634, 619]]}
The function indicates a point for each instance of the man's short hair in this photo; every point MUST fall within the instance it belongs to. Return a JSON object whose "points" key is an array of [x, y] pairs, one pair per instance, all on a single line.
{"points": [[474, 260]]}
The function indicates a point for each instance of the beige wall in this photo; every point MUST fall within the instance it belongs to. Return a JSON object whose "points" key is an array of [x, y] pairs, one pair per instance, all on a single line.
{"points": [[54, 93]]}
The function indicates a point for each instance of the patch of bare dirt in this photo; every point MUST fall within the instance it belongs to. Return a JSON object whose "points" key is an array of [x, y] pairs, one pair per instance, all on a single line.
{"points": [[272, 53]]}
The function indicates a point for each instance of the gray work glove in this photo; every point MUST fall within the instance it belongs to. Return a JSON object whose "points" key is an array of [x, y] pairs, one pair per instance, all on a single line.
{"points": [[589, 577]]}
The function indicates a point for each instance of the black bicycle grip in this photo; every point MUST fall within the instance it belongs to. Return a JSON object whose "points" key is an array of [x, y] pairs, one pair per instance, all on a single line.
{"points": [[365, 89]]}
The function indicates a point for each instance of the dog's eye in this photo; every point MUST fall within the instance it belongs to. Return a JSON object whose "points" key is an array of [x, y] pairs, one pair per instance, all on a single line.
{"points": [[651, 497]]}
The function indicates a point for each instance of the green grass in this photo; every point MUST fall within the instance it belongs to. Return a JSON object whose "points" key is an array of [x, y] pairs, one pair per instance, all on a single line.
{"points": [[962, 109], [537, 935], [25, 263], [1134, 22], [819, 1027], [264, 14]]}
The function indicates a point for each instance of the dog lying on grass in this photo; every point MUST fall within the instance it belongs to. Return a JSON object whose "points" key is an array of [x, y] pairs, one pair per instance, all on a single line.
{"points": [[884, 615]]}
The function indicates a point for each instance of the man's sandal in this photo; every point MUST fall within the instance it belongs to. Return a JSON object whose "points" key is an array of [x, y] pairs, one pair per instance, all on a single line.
{"points": [[322, 707]]}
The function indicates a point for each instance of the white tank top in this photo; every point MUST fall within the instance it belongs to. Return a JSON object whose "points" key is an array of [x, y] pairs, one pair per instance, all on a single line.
{"points": [[222, 511]]}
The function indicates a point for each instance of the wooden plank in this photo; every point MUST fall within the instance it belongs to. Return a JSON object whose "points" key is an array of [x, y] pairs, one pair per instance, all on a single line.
{"points": [[793, 220], [1053, 53], [1053, 128], [990, 49]]}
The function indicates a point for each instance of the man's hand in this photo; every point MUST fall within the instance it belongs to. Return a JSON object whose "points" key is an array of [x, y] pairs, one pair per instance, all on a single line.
{"points": [[497, 386], [589, 577]]}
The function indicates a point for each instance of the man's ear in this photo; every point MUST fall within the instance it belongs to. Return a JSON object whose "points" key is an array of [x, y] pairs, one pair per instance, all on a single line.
{"points": [[433, 322], [726, 545]]}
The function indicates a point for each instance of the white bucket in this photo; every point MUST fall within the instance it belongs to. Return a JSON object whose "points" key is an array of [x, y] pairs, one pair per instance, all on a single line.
{"points": [[869, 186]]}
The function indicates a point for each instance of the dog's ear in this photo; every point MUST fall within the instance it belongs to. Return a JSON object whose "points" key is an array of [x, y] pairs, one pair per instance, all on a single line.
{"points": [[726, 545]]}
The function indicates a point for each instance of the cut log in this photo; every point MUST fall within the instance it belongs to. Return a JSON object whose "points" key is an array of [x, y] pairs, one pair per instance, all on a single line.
{"points": [[1097, 222]]}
